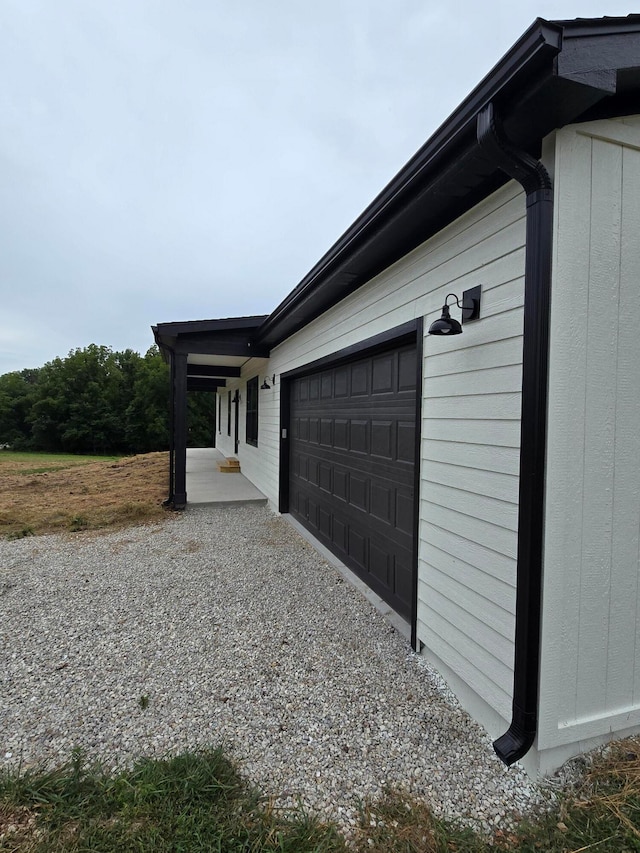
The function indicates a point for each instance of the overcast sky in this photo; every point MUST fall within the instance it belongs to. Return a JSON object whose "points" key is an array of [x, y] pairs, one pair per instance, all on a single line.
{"points": [[186, 159]]}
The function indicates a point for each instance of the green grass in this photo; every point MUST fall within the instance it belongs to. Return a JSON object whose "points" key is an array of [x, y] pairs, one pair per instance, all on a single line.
{"points": [[199, 802], [43, 463], [194, 802]]}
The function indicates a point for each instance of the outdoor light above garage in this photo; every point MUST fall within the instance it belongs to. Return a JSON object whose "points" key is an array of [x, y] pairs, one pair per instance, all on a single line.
{"points": [[470, 306]]}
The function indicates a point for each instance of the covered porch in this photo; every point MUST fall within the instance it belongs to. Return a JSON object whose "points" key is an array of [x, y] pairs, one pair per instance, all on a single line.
{"points": [[203, 355]]}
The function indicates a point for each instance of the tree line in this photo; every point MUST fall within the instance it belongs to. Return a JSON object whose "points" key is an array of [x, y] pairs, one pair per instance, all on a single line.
{"points": [[97, 401]]}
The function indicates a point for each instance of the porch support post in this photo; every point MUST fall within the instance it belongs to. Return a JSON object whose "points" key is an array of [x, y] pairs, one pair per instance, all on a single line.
{"points": [[172, 373], [179, 430]]}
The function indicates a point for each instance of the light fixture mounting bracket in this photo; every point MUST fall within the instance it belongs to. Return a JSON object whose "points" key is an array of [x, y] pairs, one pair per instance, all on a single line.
{"points": [[470, 304]]}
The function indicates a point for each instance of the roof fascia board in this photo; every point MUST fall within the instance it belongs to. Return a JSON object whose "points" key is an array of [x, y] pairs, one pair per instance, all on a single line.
{"points": [[580, 27], [198, 326]]}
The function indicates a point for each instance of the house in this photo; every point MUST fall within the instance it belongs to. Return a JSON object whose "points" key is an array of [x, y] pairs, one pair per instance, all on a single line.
{"points": [[485, 484]]}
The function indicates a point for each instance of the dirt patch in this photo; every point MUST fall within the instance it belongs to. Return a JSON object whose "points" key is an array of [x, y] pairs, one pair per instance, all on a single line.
{"points": [[82, 496]]}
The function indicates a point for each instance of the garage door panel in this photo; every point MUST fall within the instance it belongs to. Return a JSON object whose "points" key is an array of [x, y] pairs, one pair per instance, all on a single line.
{"points": [[325, 477], [325, 523], [382, 439], [341, 484], [359, 492], [352, 466], [404, 510], [341, 382], [314, 388], [406, 443], [358, 548], [382, 502], [380, 564], [339, 535], [359, 436], [341, 434], [407, 367], [360, 375], [382, 374], [326, 385]]}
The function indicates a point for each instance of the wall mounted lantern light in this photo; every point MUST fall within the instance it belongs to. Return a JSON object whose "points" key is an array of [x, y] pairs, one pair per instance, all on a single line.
{"points": [[470, 306], [265, 385]]}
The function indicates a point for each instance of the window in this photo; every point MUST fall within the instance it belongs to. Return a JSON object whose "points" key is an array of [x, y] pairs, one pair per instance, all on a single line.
{"points": [[252, 412], [229, 413], [220, 413]]}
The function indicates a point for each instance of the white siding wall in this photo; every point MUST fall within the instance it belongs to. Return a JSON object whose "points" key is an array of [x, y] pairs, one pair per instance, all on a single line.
{"points": [[248, 455], [590, 677], [470, 458], [470, 433]]}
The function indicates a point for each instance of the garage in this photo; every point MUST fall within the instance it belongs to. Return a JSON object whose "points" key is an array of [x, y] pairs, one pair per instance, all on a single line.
{"points": [[352, 467]]}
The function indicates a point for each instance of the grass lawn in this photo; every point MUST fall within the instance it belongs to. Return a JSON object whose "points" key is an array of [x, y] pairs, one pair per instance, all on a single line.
{"points": [[198, 802], [47, 492], [40, 463]]}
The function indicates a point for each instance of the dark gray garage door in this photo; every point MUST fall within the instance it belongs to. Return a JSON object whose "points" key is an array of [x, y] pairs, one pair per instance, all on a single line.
{"points": [[352, 466]]}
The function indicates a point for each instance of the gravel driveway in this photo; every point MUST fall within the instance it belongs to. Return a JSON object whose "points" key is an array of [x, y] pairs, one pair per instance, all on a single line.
{"points": [[224, 626]]}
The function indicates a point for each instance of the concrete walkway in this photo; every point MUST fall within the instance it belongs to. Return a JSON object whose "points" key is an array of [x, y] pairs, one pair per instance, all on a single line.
{"points": [[206, 485]]}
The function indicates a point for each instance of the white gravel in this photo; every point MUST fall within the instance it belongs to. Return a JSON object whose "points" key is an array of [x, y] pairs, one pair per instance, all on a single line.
{"points": [[238, 633]]}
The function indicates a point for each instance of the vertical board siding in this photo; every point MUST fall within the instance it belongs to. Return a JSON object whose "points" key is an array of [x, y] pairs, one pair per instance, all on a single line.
{"points": [[471, 430], [590, 677]]}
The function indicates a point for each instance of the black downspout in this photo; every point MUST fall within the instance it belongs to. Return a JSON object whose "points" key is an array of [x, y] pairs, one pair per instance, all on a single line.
{"points": [[532, 175]]}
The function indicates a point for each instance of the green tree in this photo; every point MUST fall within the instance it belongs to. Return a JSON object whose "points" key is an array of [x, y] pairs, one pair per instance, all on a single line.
{"points": [[98, 401], [75, 410], [147, 412], [17, 392], [201, 418]]}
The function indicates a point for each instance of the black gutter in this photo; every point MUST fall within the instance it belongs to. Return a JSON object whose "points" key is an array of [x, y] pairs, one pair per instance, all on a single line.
{"points": [[532, 175]]}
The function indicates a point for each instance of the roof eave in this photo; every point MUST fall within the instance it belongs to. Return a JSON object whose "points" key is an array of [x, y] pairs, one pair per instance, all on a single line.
{"points": [[536, 47], [532, 74]]}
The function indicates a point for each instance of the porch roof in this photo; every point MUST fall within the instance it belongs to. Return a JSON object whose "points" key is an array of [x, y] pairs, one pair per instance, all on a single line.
{"points": [[215, 349]]}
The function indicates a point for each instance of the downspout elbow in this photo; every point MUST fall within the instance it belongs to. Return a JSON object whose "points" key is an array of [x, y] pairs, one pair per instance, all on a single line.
{"points": [[516, 742]]}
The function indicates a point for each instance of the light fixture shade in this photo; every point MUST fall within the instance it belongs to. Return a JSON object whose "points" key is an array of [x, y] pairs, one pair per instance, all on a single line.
{"points": [[445, 325]]}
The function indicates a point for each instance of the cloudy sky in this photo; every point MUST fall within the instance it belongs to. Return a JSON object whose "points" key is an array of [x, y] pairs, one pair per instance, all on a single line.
{"points": [[185, 159]]}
